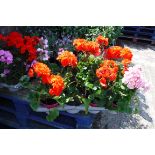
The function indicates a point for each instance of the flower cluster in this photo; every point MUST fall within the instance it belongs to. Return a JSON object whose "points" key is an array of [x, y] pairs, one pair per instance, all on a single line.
{"points": [[117, 52], [107, 71], [67, 59], [6, 57], [86, 46], [58, 86], [134, 80], [24, 44], [60, 50], [102, 40], [64, 41], [43, 53], [40, 69], [43, 42], [126, 53], [113, 52], [55, 81], [5, 72]]}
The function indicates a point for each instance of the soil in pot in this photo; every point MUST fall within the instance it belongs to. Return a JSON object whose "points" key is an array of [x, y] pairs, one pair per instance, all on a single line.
{"points": [[49, 103], [73, 103], [76, 102]]}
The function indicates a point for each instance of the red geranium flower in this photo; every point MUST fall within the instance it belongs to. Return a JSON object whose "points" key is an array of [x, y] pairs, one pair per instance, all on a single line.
{"points": [[24, 44], [102, 40]]}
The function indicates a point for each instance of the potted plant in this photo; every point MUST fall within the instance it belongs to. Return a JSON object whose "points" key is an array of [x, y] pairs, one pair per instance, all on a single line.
{"points": [[24, 50], [94, 75], [43, 87]]}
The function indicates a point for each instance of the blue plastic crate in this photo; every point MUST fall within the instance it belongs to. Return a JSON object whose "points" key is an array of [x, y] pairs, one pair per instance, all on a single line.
{"points": [[139, 31], [139, 34], [25, 115]]}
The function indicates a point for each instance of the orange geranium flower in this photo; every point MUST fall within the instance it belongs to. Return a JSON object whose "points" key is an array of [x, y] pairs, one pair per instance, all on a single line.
{"points": [[86, 46], [102, 40], [126, 62], [57, 84], [117, 52], [110, 64], [113, 76], [113, 52], [102, 72], [103, 82], [67, 59], [31, 73], [107, 71], [126, 54], [46, 79], [40, 69]]}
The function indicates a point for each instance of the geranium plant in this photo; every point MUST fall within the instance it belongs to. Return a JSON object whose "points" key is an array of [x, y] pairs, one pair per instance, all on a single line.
{"points": [[44, 88], [21, 51], [98, 75]]}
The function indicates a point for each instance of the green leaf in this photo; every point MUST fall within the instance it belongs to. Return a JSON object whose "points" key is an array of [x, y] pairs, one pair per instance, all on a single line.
{"points": [[85, 68], [44, 92], [94, 88], [33, 96], [98, 92], [69, 99], [122, 87], [60, 99], [53, 114], [86, 103], [24, 78], [89, 85], [122, 94], [34, 105], [91, 97]]}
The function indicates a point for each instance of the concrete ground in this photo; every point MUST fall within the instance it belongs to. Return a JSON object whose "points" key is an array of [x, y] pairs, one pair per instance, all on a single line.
{"points": [[143, 55]]}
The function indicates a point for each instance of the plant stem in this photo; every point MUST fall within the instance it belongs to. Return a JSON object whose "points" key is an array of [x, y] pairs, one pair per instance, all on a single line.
{"points": [[71, 83]]}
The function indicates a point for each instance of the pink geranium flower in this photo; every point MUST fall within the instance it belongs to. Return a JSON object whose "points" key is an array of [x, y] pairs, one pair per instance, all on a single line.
{"points": [[134, 79]]}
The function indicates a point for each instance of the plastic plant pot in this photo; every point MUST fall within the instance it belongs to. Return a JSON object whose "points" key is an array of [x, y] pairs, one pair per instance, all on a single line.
{"points": [[50, 106]]}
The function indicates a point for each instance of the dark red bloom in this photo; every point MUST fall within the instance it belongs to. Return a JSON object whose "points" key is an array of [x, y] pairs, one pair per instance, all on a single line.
{"points": [[24, 44]]}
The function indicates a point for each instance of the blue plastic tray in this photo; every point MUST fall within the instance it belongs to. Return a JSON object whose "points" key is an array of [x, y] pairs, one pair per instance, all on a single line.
{"points": [[24, 115]]}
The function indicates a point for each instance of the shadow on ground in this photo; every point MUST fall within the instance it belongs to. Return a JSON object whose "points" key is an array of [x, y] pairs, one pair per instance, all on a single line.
{"points": [[112, 120]]}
